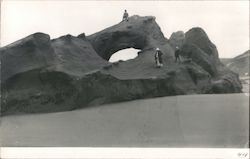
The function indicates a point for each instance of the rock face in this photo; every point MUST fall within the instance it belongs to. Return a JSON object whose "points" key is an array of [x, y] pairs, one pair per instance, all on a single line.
{"points": [[199, 38], [76, 56], [177, 39], [198, 48], [43, 75], [38, 74], [139, 32], [30, 53]]}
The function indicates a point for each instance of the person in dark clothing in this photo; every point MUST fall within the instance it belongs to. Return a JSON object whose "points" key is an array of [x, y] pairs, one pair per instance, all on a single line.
{"points": [[177, 54], [158, 58], [125, 16]]}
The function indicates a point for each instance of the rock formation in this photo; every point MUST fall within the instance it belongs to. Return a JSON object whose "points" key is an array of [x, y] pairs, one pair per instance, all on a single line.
{"points": [[197, 47], [139, 32], [177, 39], [43, 75]]}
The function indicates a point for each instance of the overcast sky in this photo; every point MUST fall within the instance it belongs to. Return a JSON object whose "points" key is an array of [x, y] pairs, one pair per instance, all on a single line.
{"points": [[225, 22]]}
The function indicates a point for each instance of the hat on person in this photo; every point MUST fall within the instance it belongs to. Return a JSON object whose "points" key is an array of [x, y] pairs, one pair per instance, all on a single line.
{"points": [[157, 49]]}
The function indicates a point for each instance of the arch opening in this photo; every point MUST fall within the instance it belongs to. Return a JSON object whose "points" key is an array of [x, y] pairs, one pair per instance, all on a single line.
{"points": [[125, 54]]}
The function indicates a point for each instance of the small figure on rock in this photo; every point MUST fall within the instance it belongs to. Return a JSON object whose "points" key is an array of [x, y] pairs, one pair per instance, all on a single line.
{"points": [[177, 54], [158, 58], [125, 16]]}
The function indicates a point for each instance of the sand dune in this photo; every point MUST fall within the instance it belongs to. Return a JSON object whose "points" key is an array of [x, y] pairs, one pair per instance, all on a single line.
{"points": [[177, 121]]}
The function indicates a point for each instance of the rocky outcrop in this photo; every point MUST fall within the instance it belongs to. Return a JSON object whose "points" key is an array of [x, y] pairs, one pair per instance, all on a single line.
{"points": [[177, 39], [43, 75], [30, 53], [198, 37], [139, 32], [191, 51], [76, 56], [197, 47], [38, 74]]}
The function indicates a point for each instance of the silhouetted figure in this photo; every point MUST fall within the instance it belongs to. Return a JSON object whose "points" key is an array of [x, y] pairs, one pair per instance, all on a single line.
{"points": [[158, 58], [177, 54], [125, 16]]}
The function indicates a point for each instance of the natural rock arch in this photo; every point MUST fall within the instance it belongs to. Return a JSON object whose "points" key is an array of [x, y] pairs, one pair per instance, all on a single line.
{"points": [[139, 33], [73, 72], [124, 55]]}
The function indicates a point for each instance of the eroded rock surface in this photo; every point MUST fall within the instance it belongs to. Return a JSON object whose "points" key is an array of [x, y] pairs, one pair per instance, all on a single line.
{"points": [[43, 75], [139, 32], [197, 47]]}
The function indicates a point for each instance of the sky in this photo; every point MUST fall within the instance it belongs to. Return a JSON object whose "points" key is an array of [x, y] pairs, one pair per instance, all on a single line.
{"points": [[225, 22]]}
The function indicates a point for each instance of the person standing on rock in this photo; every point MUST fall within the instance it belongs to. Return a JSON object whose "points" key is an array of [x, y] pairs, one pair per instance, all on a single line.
{"points": [[177, 54], [125, 16], [158, 58]]}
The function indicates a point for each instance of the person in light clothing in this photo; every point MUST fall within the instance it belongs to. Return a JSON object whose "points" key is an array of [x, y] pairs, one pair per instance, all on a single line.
{"points": [[158, 58]]}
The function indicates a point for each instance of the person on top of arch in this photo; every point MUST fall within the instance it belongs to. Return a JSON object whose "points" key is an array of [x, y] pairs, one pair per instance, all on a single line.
{"points": [[125, 16]]}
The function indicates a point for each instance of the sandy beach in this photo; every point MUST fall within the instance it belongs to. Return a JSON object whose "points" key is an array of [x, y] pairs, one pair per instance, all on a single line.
{"points": [[177, 121]]}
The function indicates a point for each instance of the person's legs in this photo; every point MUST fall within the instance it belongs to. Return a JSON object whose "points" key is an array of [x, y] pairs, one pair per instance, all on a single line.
{"points": [[179, 59], [157, 64]]}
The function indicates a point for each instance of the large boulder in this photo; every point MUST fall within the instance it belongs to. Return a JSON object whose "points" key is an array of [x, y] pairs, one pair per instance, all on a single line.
{"points": [[43, 75], [177, 39], [197, 47], [191, 51], [197, 36]]}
